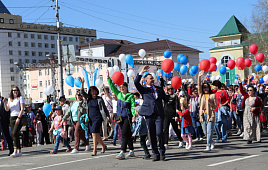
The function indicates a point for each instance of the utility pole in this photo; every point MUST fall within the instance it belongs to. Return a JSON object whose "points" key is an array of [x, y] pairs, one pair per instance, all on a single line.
{"points": [[59, 51]]}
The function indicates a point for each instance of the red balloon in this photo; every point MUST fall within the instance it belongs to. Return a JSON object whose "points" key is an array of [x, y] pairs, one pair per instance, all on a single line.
{"points": [[240, 62], [247, 62], [204, 65], [118, 78], [176, 82], [231, 64], [253, 48], [260, 57], [167, 65], [212, 60], [212, 67]]}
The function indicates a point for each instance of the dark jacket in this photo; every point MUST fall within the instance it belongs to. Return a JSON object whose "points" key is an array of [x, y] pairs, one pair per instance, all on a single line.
{"points": [[4, 115]]}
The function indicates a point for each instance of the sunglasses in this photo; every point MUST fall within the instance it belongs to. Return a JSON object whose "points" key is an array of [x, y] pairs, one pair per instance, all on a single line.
{"points": [[169, 89], [250, 90], [15, 90], [205, 87]]}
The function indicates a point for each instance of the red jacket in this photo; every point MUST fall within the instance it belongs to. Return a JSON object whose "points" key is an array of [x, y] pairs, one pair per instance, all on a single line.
{"points": [[187, 120]]}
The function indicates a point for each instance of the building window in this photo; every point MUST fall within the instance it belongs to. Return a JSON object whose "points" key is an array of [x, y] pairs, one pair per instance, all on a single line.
{"points": [[47, 71], [40, 72], [12, 78], [40, 53], [11, 61], [28, 26], [19, 44], [34, 60], [224, 60], [11, 21], [73, 30], [82, 42], [46, 45], [40, 45], [21, 25], [39, 36], [11, 69], [25, 35], [20, 60], [32, 44], [41, 95], [70, 38], [64, 38], [78, 31], [25, 44], [2, 20], [76, 39], [40, 83], [48, 28], [87, 40], [18, 35], [32, 36], [48, 82], [26, 53], [52, 45], [42, 27], [52, 38], [67, 30], [35, 27], [9, 34], [26, 60], [19, 52], [70, 92], [10, 52], [33, 53], [10, 43], [46, 53], [45, 37]]}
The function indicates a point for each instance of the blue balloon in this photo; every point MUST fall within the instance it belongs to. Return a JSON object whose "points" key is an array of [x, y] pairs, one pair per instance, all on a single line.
{"points": [[70, 81], [194, 69], [47, 109], [167, 54], [177, 67], [144, 74], [261, 80], [77, 83], [179, 56], [183, 60], [223, 70], [236, 76], [251, 77], [191, 73], [216, 68], [129, 60], [257, 68], [161, 72], [167, 75], [183, 69]]}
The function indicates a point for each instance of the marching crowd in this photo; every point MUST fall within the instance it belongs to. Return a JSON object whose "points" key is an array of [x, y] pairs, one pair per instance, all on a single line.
{"points": [[152, 114]]}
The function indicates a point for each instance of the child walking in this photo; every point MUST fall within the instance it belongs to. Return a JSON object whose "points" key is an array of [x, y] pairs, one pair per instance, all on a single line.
{"points": [[60, 131], [141, 131], [186, 125], [38, 129]]}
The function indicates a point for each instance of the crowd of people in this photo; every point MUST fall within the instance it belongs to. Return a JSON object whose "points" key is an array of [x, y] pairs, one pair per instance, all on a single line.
{"points": [[152, 114]]}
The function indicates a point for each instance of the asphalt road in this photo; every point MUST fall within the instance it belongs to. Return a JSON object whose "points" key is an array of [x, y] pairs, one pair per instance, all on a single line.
{"points": [[235, 154]]}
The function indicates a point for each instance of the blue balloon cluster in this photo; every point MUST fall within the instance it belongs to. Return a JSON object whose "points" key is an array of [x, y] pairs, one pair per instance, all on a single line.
{"points": [[223, 70], [183, 69], [161, 72], [179, 56], [167, 75], [193, 70], [70, 81], [183, 60], [177, 67], [167, 54], [257, 68]]}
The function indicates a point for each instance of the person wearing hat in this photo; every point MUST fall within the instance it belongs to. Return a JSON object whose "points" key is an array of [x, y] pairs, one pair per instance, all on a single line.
{"points": [[59, 130], [141, 131]]}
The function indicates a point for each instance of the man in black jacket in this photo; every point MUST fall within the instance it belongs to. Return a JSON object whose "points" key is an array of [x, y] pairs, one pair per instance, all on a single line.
{"points": [[4, 123]]}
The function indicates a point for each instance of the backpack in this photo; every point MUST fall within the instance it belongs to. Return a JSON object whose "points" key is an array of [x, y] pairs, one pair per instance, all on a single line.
{"points": [[239, 99]]}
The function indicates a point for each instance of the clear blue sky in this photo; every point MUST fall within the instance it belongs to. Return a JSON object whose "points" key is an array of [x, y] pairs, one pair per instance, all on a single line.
{"points": [[189, 23]]}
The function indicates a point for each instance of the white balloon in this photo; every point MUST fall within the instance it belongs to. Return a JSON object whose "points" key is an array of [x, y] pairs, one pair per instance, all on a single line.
{"points": [[218, 64], [218, 77], [111, 71], [212, 78], [190, 80], [254, 75], [116, 68], [122, 57], [99, 83], [50, 90], [45, 90], [183, 80], [265, 68], [142, 53], [130, 73]]}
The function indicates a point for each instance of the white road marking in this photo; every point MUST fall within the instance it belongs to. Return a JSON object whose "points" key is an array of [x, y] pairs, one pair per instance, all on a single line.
{"points": [[238, 159], [72, 161]]}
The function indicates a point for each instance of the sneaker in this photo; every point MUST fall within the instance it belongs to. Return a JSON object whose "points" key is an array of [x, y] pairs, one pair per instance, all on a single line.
{"points": [[68, 149], [87, 148], [148, 143], [181, 144], [120, 156], [38, 144], [19, 154], [239, 132], [212, 145], [229, 133], [217, 140], [187, 146], [130, 154], [201, 139], [207, 149], [148, 156], [53, 152], [14, 155], [166, 146], [113, 143], [74, 151], [224, 141], [242, 134]]}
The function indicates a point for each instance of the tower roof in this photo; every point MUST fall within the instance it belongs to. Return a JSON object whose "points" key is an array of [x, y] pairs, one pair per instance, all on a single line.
{"points": [[3, 8], [232, 27]]}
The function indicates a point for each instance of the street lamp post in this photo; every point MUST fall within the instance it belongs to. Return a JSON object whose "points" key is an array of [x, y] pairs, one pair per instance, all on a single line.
{"points": [[53, 70]]}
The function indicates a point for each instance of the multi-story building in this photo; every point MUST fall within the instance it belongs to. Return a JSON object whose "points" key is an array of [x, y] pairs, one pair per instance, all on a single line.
{"points": [[28, 43]]}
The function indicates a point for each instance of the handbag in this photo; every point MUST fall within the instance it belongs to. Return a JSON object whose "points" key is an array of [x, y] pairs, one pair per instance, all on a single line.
{"points": [[262, 117], [63, 134]]}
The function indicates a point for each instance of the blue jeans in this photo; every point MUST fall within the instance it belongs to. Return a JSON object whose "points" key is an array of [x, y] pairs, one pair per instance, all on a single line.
{"points": [[237, 119], [204, 124], [58, 139], [116, 127], [197, 126], [224, 124], [210, 129]]}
